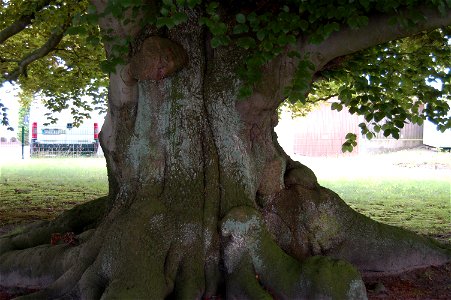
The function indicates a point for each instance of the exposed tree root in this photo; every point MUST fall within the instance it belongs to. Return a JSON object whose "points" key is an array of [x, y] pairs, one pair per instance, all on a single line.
{"points": [[257, 268], [28, 260], [307, 219], [77, 220]]}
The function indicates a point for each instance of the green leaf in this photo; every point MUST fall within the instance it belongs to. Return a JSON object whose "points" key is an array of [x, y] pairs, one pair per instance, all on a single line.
{"points": [[303, 25], [442, 8], [193, 3], [218, 28], [368, 117], [365, 4], [108, 66], [128, 3], [346, 147], [220, 40], [291, 39], [245, 92], [282, 40], [179, 18], [399, 123], [76, 30], [93, 40], [358, 21], [165, 21], [351, 136], [329, 28], [293, 54], [387, 132], [240, 28], [246, 42], [345, 94], [336, 106], [316, 38], [267, 45], [211, 8], [164, 11], [261, 34], [379, 116], [240, 18], [205, 21]]}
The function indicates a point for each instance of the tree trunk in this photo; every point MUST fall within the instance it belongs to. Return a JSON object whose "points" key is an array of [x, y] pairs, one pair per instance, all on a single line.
{"points": [[203, 201]]}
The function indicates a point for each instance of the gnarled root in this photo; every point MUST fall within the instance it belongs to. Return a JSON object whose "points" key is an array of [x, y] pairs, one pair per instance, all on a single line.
{"points": [[257, 268], [307, 219], [78, 219], [27, 258]]}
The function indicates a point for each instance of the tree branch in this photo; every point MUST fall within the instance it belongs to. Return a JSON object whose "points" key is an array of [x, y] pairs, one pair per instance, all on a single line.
{"points": [[378, 30], [22, 22], [50, 45], [325, 98]]}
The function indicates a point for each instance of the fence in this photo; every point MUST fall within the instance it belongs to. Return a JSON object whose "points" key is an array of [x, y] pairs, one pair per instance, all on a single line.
{"points": [[15, 150]]}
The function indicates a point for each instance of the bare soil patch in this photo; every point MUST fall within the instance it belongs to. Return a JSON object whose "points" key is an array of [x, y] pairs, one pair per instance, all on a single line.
{"points": [[427, 283]]}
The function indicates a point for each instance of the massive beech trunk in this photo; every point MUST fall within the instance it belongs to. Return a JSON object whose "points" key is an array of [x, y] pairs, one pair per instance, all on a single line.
{"points": [[203, 201]]}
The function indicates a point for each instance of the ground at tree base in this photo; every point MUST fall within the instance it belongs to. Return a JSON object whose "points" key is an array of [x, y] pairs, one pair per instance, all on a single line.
{"points": [[426, 283]]}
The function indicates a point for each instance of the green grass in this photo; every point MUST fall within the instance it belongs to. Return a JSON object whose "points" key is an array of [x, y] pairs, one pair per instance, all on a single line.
{"points": [[418, 205], [43, 188]]}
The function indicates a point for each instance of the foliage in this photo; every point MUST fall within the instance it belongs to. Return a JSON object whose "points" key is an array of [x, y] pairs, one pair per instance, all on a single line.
{"points": [[23, 114], [70, 71], [386, 83], [393, 83]]}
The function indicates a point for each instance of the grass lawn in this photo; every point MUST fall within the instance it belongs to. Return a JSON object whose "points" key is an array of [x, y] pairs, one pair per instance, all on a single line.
{"points": [[42, 188], [419, 205]]}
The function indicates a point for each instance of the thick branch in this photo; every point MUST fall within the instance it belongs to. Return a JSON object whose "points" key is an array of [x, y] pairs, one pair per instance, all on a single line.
{"points": [[51, 43], [22, 22], [378, 31]]}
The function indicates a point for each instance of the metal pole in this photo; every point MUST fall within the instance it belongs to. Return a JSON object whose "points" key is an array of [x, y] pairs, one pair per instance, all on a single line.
{"points": [[23, 141]]}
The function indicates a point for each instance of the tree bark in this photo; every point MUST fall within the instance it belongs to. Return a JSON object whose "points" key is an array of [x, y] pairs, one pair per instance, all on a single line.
{"points": [[203, 202]]}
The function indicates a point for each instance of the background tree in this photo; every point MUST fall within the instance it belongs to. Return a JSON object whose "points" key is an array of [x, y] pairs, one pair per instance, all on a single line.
{"points": [[23, 125], [203, 201]]}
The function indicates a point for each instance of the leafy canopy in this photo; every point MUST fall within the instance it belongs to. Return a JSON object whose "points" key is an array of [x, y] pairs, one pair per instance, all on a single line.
{"points": [[387, 84], [70, 69]]}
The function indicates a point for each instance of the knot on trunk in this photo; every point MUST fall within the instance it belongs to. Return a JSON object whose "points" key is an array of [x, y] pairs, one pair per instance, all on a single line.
{"points": [[158, 58]]}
